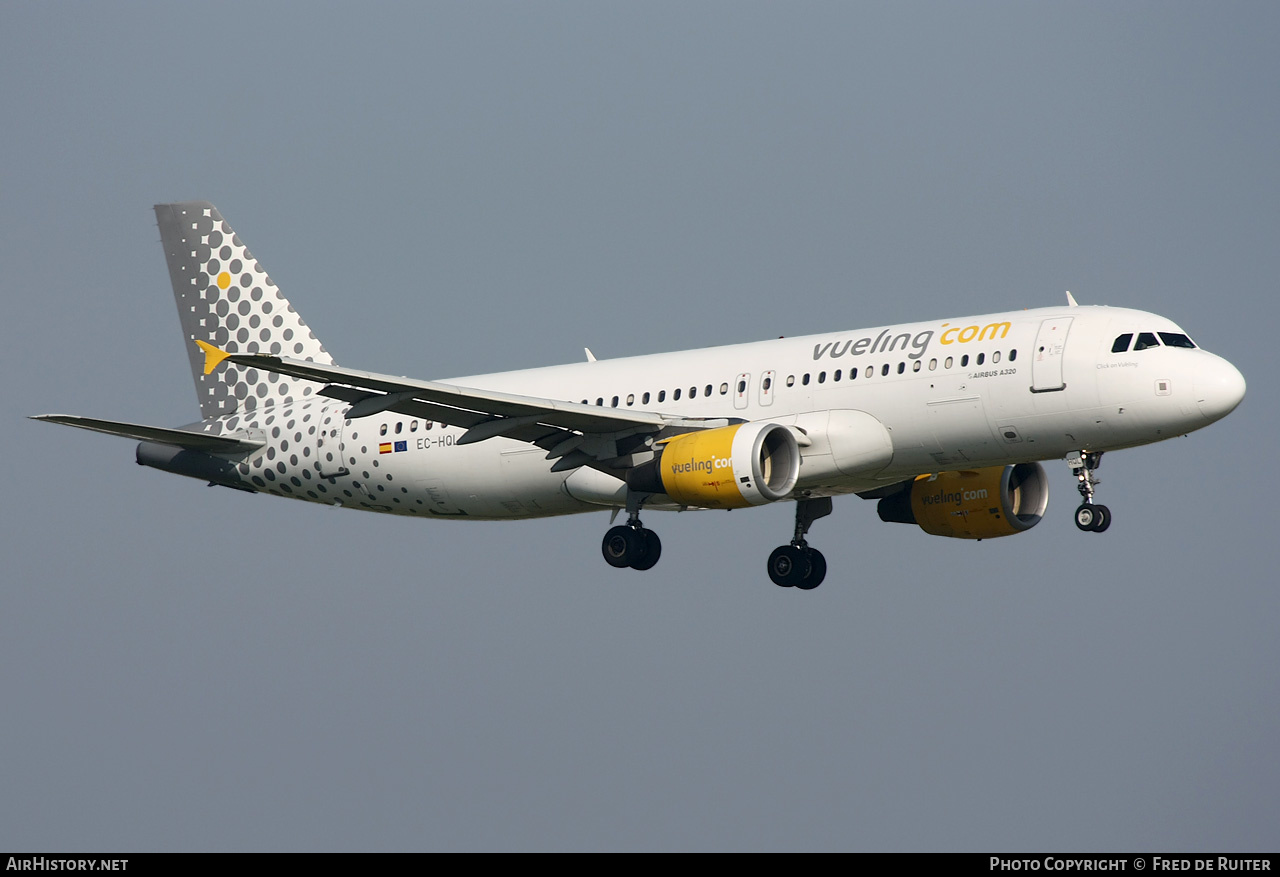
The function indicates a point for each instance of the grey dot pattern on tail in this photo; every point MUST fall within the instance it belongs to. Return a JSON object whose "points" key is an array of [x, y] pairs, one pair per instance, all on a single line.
{"points": [[226, 298]]}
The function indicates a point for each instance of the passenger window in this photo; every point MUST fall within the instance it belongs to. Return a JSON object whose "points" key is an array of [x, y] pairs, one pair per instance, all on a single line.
{"points": [[871, 370], [853, 374], [599, 400], [399, 426], [884, 370], [791, 380], [708, 390], [614, 403], [1145, 340], [644, 400], [805, 379], [1177, 339], [836, 377], [981, 357], [995, 357], [933, 365], [902, 367], [1121, 344], [693, 392], [1013, 354], [428, 426], [662, 395], [382, 430], [915, 367], [631, 399], [742, 385], [768, 382], [413, 427], [724, 388], [675, 395], [964, 360], [822, 377], [948, 363]]}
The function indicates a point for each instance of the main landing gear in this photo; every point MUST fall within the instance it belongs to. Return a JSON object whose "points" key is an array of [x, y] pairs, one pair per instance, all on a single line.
{"points": [[797, 565], [630, 544], [790, 566], [1089, 517]]}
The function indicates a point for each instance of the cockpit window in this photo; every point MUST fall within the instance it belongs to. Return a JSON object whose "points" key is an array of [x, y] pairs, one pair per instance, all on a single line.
{"points": [[1121, 344], [1145, 340], [1177, 339]]}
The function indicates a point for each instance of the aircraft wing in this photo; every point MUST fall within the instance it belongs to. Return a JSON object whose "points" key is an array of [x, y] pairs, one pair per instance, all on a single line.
{"points": [[183, 438], [578, 434]]}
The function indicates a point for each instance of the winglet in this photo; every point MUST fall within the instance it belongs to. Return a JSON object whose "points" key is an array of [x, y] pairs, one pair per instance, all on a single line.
{"points": [[213, 357], [1071, 299], [591, 357]]}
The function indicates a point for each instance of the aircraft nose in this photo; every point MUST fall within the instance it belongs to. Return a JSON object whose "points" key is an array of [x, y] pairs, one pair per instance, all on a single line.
{"points": [[1219, 388]]}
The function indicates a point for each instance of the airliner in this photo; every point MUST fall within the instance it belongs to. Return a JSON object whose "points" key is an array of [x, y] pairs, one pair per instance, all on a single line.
{"points": [[944, 424]]}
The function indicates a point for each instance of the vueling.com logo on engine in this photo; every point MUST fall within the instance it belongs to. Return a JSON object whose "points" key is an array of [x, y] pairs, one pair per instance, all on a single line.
{"points": [[707, 466], [955, 496]]}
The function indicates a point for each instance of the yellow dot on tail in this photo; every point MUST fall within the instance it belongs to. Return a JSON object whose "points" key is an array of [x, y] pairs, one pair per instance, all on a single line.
{"points": [[224, 280]]}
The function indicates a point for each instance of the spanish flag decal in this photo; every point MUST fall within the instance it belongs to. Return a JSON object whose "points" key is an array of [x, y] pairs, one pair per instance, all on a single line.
{"points": [[384, 448]]}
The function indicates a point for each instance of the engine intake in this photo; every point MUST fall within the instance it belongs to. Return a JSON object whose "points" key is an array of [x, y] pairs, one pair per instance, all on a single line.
{"points": [[972, 504]]}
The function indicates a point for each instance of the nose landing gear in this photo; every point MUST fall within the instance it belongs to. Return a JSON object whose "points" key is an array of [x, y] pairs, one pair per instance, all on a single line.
{"points": [[797, 565], [1089, 516]]}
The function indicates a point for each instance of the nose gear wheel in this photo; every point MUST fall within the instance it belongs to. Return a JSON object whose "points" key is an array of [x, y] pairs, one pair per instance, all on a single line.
{"points": [[1090, 517], [1093, 518]]}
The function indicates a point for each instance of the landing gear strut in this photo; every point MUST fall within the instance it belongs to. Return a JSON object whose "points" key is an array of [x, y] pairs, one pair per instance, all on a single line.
{"points": [[630, 544], [1089, 517], [797, 565]]}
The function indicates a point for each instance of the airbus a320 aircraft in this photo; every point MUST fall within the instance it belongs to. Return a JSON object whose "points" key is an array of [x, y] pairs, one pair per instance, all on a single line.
{"points": [[943, 423]]}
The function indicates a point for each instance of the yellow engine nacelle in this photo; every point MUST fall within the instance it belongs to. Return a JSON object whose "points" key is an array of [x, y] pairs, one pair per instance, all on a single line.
{"points": [[973, 504], [731, 467]]}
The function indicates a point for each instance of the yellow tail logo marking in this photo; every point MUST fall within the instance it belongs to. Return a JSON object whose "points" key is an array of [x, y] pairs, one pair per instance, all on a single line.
{"points": [[213, 357]]}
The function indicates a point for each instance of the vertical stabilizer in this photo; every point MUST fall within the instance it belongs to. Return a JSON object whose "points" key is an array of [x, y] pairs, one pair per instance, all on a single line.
{"points": [[225, 298]]}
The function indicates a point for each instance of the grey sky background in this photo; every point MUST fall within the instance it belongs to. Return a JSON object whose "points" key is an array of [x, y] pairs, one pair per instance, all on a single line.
{"points": [[445, 189]]}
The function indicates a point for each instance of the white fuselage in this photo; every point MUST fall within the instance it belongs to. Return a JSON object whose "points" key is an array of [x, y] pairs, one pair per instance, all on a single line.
{"points": [[956, 394]]}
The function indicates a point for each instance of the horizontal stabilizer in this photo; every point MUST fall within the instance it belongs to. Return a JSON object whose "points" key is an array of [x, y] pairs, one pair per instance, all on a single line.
{"points": [[182, 438]]}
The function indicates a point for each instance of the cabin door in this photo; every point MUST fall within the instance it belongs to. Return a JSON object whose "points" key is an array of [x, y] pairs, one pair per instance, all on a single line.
{"points": [[329, 443], [1046, 356]]}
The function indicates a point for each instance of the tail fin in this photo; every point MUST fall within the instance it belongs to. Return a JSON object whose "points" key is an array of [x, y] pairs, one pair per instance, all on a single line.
{"points": [[225, 298]]}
